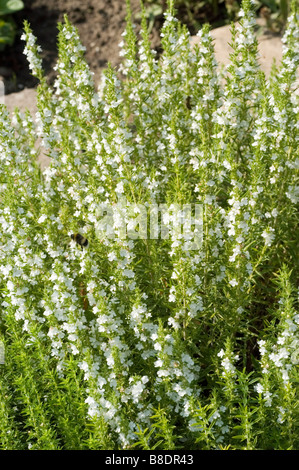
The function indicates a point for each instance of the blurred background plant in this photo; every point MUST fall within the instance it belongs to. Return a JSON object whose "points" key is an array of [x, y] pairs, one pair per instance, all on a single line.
{"points": [[275, 13], [218, 12], [7, 24], [102, 42]]}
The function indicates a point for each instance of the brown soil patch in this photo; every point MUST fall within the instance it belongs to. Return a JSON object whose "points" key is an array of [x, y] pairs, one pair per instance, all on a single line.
{"points": [[100, 24]]}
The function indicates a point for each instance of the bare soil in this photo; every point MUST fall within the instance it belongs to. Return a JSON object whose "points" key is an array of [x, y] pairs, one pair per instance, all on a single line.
{"points": [[100, 24]]}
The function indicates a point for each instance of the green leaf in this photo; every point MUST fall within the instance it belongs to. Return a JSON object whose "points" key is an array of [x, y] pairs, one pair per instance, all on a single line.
{"points": [[151, 11], [10, 6]]}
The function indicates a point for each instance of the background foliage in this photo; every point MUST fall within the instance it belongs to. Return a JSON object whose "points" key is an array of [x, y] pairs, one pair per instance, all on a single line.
{"points": [[146, 343], [7, 24]]}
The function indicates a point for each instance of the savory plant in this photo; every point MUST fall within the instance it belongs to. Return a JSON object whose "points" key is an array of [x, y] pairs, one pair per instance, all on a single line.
{"points": [[138, 340]]}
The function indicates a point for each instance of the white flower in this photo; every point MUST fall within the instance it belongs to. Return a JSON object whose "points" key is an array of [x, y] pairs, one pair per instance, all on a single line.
{"points": [[112, 256], [267, 396], [83, 366], [5, 269], [137, 389], [285, 376], [158, 363], [293, 194], [120, 187], [163, 373], [281, 416], [227, 365], [128, 273], [41, 219]]}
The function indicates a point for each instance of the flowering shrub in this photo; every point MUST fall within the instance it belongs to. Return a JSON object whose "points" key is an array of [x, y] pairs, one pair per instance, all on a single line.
{"points": [[145, 342]]}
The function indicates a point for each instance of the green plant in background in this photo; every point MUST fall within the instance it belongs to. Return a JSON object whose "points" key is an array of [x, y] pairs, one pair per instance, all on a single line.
{"points": [[7, 23]]}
